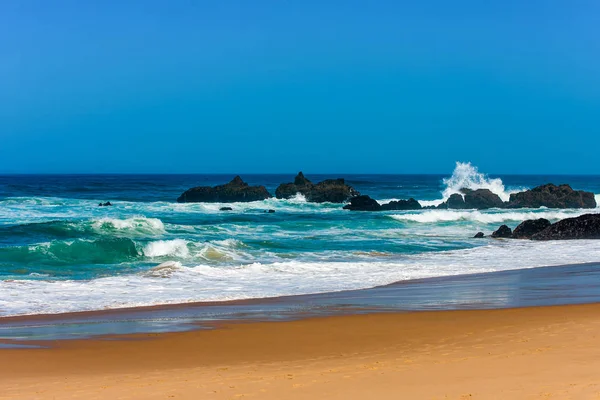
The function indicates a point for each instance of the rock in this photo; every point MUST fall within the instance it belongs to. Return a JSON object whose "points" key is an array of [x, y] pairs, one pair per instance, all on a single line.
{"points": [[401, 205], [235, 191], [225, 209], [527, 229], [479, 235], [107, 204], [330, 190], [552, 196], [502, 232], [366, 203], [481, 199], [363, 203], [583, 227], [270, 211], [455, 201]]}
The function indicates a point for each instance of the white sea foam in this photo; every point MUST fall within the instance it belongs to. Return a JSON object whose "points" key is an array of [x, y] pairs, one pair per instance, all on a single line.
{"points": [[140, 225], [164, 270], [161, 248], [255, 280], [597, 197], [431, 203], [435, 216], [468, 176]]}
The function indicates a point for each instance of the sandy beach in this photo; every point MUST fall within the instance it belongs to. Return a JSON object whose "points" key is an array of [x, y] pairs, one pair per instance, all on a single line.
{"points": [[523, 353]]}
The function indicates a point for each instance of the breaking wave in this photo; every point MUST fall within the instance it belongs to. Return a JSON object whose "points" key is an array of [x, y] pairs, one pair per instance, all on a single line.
{"points": [[181, 284], [467, 176], [436, 216]]}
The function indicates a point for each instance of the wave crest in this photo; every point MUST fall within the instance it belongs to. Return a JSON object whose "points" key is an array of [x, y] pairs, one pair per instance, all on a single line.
{"points": [[467, 176], [136, 225]]}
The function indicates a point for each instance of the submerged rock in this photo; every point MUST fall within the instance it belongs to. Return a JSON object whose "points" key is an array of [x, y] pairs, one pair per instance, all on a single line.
{"points": [[225, 209], [235, 191], [269, 211], [107, 204], [502, 232], [552, 196], [479, 235], [366, 203], [527, 229], [330, 190], [583, 227]]}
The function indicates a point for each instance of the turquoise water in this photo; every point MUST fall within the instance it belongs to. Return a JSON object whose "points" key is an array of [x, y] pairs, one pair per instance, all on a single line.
{"points": [[60, 252]]}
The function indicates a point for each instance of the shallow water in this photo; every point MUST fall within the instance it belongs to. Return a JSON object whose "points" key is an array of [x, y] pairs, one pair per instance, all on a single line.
{"points": [[560, 285]]}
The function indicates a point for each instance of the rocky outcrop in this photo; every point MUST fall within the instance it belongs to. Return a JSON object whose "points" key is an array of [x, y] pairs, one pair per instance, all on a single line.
{"points": [[235, 191], [107, 204], [479, 199], [366, 203], [479, 235], [454, 202], [527, 229], [584, 227], [502, 232], [330, 190], [552, 196], [225, 209], [482, 199], [363, 203], [401, 205]]}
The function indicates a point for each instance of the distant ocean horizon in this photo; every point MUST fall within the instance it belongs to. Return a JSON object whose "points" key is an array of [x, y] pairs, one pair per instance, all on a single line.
{"points": [[60, 252]]}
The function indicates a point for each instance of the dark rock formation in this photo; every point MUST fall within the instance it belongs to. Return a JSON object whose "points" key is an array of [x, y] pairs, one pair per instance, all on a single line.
{"points": [[107, 204], [225, 209], [330, 190], [363, 203], [479, 199], [234, 191], [401, 205], [482, 199], [455, 202], [366, 203], [584, 227], [502, 232], [479, 235], [527, 229], [552, 196]]}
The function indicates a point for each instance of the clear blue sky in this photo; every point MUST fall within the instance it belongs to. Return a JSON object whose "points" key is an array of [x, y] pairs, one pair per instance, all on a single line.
{"points": [[278, 86]]}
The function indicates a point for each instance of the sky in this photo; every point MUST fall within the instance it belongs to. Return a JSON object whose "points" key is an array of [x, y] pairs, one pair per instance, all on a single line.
{"points": [[280, 86]]}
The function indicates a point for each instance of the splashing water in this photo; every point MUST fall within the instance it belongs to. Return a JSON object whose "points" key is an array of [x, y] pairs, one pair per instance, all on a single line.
{"points": [[467, 176]]}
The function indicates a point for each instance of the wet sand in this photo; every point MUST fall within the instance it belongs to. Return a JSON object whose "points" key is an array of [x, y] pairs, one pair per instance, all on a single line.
{"points": [[524, 353], [491, 336]]}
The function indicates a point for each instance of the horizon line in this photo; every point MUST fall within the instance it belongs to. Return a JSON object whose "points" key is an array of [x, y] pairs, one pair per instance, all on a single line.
{"points": [[273, 173]]}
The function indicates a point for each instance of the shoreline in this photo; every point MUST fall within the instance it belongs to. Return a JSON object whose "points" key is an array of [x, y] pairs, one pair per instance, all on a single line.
{"points": [[533, 352], [541, 286]]}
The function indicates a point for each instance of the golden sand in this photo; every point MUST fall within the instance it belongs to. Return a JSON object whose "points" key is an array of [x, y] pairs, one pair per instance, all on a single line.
{"points": [[527, 353]]}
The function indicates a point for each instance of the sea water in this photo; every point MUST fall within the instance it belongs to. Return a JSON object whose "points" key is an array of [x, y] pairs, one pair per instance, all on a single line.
{"points": [[61, 252]]}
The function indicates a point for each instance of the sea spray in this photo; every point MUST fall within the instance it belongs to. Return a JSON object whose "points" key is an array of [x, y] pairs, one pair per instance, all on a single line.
{"points": [[467, 176]]}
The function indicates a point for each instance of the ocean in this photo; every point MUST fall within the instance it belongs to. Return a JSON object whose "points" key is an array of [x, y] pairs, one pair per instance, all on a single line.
{"points": [[60, 252]]}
